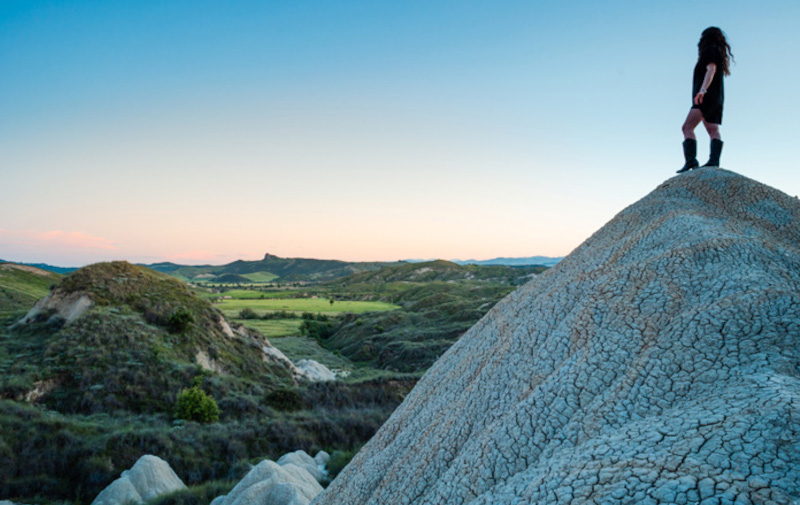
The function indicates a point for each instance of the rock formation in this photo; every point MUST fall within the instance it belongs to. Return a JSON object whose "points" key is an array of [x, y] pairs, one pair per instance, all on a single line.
{"points": [[315, 371], [304, 461], [290, 481], [658, 363], [149, 478], [68, 307], [306, 369]]}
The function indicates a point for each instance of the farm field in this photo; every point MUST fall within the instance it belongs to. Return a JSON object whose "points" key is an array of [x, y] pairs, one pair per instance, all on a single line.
{"points": [[231, 308], [244, 294], [260, 277], [271, 328]]}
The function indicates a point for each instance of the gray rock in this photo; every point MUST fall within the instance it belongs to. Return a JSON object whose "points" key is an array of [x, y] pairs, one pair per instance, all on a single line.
{"points": [[315, 371], [304, 461], [657, 363], [274, 484], [149, 478], [321, 459], [67, 306]]}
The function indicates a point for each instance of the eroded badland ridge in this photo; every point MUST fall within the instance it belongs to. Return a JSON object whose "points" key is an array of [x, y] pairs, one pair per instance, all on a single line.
{"points": [[658, 363]]}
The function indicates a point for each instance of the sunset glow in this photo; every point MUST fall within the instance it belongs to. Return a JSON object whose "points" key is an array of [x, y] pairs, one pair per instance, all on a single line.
{"points": [[208, 132]]}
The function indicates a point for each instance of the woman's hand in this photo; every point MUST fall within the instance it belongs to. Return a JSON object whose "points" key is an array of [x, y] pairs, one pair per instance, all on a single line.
{"points": [[698, 98]]}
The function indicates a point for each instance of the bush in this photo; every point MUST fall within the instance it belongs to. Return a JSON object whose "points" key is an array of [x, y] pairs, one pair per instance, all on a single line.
{"points": [[248, 313], [179, 321], [193, 404], [181, 497], [287, 400], [318, 330], [339, 460]]}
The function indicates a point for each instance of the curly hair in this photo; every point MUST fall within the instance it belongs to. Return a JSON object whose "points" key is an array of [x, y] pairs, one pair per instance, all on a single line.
{"points": [[713, 36]]}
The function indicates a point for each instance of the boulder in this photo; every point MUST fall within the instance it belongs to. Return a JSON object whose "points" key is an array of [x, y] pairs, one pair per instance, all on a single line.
{"points": [[315, 371], [304, 461], [269, 482], [307, 369], [149, 478], [321, 459], [657, 363]]}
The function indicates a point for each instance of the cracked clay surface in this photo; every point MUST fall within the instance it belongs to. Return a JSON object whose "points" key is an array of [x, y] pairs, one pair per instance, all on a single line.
{"points": [[658, 363]]}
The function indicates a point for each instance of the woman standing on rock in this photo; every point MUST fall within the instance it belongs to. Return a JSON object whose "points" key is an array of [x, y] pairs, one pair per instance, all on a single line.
{"points": [[714, 55]]}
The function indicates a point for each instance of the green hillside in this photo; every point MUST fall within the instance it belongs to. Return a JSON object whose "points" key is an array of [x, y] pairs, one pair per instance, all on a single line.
{"points": [[143, 340], [439, 301], [270, 269], [81, 400], [441, 270], [21, 286]]}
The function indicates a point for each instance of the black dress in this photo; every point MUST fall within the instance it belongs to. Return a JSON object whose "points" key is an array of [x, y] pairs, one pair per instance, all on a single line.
{"points": [[711, 108]]}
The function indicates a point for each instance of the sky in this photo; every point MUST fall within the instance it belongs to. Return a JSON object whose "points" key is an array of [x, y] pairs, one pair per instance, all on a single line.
{"points": [[202, 131]]}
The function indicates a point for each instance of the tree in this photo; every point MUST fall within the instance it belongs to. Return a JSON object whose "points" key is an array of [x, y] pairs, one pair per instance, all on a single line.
{"points": [[193, 404]]}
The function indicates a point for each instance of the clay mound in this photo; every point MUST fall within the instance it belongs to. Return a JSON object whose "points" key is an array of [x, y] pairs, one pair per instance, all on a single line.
{"points": [[275, 484], [658, 363], [149, 478]]}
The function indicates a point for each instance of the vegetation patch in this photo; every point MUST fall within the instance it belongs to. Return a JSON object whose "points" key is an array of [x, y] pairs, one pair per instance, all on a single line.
{"points": [[81, 402], [303, 305], [20, 287]]}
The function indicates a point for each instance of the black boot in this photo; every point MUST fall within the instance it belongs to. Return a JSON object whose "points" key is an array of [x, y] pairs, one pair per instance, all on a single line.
{"points": [[690, 155], [716, 150]]}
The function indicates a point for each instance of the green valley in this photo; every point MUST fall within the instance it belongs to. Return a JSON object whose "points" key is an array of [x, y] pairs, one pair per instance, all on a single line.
{"points": [[89, 379]]}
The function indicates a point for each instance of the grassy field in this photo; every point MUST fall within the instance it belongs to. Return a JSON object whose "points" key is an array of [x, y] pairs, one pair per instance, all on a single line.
{"points": [[273, 327], [231, 308], [261, 276], [249, 294]]}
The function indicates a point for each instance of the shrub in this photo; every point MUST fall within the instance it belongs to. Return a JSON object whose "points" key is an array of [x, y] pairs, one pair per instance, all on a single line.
{"points": [[339, 460], [287, 400], [248, 313], [180, 497], [179, 321], [193, 404], [318, 330]]}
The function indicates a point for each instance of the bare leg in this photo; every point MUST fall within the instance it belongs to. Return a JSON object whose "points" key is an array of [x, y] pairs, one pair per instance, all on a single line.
{"points": [[692, 120], [712, 129]]}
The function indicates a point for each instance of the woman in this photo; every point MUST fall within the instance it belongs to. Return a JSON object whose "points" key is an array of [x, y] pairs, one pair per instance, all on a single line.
{"points": [[714, 55]]}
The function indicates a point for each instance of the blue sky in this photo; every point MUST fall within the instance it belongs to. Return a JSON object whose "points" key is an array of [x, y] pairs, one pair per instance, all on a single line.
{"points": [[365, 130]]}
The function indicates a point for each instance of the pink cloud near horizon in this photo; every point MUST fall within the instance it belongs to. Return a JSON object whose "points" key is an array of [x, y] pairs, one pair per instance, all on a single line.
{"points": [[56, 238]]}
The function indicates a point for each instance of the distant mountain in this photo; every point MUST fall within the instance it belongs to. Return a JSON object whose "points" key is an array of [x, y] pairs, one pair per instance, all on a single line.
{"points": [[44, 266], [533, 260], [271, 267]]}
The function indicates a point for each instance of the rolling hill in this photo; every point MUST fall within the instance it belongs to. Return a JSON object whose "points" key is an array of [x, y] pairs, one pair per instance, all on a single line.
{"points": [[21, 286], [273, 268], [439, 301]]}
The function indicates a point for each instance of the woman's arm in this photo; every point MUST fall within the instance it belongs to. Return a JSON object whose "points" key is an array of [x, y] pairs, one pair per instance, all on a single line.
{"points": [[711, 69]]}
